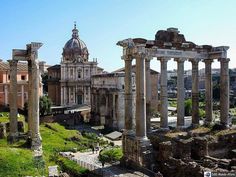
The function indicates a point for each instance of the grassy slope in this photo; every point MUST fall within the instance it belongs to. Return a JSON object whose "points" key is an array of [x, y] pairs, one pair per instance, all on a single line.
{"points": [[18, 161]]}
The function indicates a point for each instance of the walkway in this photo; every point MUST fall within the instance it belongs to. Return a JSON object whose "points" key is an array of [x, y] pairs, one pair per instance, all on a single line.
{"points": [[90, 161]]}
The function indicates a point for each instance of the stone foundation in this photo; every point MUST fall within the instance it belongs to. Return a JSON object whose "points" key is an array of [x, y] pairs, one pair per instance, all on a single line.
{"points": [[137, 151]]}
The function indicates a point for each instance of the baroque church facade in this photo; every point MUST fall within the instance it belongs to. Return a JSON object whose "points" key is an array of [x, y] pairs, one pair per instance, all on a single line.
{"points": [[69, 83]]}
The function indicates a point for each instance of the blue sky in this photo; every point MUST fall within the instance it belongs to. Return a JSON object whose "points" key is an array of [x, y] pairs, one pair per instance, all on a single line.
{"points": [[102, 23]]}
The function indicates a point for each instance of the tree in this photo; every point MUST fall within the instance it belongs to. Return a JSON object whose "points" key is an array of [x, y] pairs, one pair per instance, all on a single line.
{"points": [[110, 155], [45, 82], [45, 104], [216, 92], [188, 107]]}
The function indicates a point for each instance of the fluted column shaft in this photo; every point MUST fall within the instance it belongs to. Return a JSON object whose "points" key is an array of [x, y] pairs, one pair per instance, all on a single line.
{"points": [[224, 91], [195, 92], [129, 125], [148, 94], [164, 96], [13, 100], [208, 92], [180, 92], [140, 97]]}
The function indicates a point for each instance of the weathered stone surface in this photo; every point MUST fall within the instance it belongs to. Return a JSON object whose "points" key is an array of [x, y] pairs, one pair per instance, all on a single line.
{"points": [[199, 148], [171, 35], [183, 149], [165, 151], [3, 130]]}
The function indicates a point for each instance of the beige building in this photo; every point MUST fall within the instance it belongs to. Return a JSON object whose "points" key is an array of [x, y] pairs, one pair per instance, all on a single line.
{"points": [[22, 84], [154, 78], [73, 85], [107, 99]]}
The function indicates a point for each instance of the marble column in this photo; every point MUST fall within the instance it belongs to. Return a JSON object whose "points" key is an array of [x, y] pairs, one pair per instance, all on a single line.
{"points": [[36, 138], [148, 94], [163, 95], [208, 90], [195, 92], [180, 92], [129, 126], [6, 94], [224, 91], [13, 101], [30, 116], [140, 97]]}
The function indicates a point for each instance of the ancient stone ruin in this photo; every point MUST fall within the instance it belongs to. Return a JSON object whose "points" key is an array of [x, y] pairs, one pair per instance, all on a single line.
{"points": [[180, 154], [31, 56]]}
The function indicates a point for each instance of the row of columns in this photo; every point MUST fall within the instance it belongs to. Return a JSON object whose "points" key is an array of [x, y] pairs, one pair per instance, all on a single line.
{"points": [[143, 91]]}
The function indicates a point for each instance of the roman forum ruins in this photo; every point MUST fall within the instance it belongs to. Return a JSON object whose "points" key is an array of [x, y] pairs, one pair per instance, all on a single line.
{"points": [[168, 44], [31, 56]]}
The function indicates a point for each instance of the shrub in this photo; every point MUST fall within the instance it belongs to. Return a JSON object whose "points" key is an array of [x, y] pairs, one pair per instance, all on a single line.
{"points": [[71, 167], [111, 155]]}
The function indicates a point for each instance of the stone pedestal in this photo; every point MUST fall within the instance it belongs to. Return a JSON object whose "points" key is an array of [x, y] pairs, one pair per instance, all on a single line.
{"points": [[208, 93], [13, 135], [137, 152], [224, 91]]}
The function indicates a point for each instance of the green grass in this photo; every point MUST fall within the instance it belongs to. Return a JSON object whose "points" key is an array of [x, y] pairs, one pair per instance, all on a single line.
{"points": [[4, 117], [15, 160]]}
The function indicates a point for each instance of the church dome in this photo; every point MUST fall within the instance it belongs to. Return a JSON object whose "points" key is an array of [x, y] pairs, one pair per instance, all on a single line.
{"points": [[75, 49]]}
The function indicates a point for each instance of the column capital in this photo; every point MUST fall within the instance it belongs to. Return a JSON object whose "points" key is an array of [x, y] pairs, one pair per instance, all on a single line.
{"points": [[127, 57], [180, 60], [12, 62], [208, 61], [148, 58], [142, 55], [223, 60], [194, 60], [163, 59]]}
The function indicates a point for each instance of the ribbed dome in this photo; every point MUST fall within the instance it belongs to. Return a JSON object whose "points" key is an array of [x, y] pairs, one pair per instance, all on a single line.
{"points": [[75, 48], [75, 43]]}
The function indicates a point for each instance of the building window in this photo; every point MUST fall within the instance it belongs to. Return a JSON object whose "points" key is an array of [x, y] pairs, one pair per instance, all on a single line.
{"points": [[86, 72], [79, 74], [123, 86], [23, 77], [8, 77], [86, 91]]}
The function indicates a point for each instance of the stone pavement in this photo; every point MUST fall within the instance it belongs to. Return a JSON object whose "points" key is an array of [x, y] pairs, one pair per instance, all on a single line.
{"points": [[90, 161]]}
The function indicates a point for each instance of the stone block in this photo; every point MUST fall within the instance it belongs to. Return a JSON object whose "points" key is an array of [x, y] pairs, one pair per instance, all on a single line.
{"points": [[165, 151], [183, 149], [3, 130], [199, 148]]}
